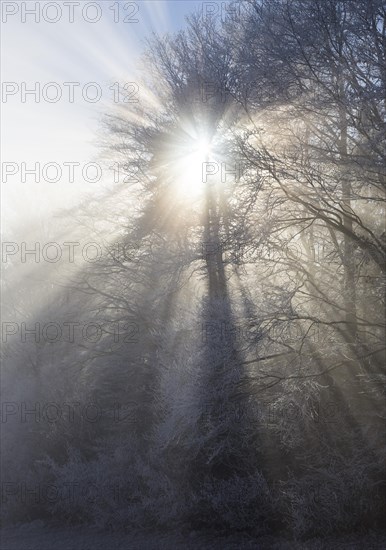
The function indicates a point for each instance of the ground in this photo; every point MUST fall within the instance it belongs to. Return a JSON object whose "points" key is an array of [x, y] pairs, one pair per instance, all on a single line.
{"points": [[36, 536]]}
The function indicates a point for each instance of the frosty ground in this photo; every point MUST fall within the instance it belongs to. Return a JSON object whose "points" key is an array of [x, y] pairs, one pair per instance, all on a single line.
{"points": [[37, 536]]}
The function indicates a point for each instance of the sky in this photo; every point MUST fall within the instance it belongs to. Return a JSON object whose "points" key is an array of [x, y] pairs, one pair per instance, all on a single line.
{"points": [[71, 54]]}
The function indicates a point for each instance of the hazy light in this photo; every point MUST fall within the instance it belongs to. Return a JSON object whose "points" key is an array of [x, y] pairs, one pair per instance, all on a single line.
{"points": [[203, 148], [38, 131], [191, 166]]}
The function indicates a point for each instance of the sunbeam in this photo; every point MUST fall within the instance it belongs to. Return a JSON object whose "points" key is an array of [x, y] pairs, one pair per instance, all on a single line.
{"points": [[193, 274]]}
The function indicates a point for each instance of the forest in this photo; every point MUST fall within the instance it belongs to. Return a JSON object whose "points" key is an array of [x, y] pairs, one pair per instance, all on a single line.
{"points": [[214, 363]]}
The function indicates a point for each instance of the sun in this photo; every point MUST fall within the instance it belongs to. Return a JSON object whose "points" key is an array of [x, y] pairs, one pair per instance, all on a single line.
{"points": [[203, 148], [191, 167]]}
